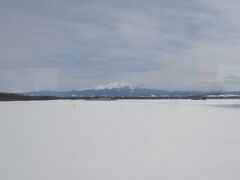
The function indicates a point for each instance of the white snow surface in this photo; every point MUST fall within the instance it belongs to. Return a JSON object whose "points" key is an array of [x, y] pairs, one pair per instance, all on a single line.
{"points": [[120, 140]]}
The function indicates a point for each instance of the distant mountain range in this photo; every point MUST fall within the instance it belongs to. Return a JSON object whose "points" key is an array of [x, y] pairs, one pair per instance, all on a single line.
{"points": [[125, 90]]}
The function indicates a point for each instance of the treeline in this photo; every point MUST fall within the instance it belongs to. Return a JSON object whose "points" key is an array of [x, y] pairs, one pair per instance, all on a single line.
{"points": [[20, 97]]}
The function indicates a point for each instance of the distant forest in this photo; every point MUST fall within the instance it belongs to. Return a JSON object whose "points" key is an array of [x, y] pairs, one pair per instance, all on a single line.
{"points": [[20, 97]]}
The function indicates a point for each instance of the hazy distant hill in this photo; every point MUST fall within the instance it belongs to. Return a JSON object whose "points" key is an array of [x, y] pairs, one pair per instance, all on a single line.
{"points": [[125, 90]]}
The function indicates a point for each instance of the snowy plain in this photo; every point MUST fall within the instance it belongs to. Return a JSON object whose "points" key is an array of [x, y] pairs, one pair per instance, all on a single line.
{"points": [[120, 140]]}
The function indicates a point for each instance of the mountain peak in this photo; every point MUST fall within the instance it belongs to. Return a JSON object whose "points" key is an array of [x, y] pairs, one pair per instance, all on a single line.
{"points": [[114, 85]]}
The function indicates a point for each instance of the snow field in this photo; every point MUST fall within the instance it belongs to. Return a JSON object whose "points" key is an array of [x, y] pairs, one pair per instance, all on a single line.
{"points": [[120, 140]]}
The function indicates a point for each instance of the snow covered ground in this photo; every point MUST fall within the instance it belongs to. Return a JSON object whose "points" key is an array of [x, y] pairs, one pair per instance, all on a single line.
{"points": [[120, 140]]}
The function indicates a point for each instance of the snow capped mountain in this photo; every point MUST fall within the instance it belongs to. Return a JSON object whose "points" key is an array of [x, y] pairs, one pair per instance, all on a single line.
{"points": [[119, 89], [114, 85]]}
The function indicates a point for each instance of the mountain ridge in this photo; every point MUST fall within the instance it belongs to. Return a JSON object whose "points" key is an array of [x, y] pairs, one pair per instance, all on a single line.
{"points": [[125, 90]]}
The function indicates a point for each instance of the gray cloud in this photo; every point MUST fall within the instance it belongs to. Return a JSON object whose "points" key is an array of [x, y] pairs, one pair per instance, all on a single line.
{"points": [[172, 44]]}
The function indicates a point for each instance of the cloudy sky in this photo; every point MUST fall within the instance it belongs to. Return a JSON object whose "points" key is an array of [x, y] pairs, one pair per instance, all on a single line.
{"points": [[164, 44]]}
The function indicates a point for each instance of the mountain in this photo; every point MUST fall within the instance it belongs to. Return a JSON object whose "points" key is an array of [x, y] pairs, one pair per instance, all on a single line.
{"points": [[126, 90], [114, 85]]}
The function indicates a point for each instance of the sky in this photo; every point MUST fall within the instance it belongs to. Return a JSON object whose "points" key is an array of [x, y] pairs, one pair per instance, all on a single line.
{"points": [[162, 44]]}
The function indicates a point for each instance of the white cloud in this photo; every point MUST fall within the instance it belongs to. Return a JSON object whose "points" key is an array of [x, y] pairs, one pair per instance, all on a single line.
{"points": [[160, 44]]}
